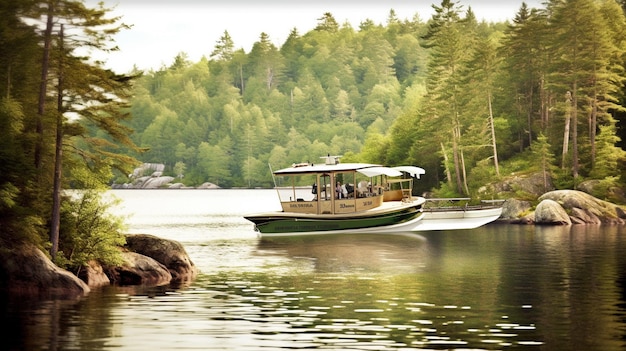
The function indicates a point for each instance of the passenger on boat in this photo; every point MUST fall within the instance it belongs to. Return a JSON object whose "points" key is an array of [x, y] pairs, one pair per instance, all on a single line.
{"points": [[348, 190], [340, 191], [364, 188]]}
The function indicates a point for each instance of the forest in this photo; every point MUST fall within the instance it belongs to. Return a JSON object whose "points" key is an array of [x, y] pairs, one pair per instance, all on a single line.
{"points": [[470, 102]]}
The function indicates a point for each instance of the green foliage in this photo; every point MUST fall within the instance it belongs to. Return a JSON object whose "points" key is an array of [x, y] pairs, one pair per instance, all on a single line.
{"points": [[85, 107], [89, 231], [609, 189]]}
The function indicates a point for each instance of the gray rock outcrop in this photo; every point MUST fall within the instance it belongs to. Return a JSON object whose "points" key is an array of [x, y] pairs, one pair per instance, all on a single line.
{"points": [[148, 261], [584, 208], [534, 184], [139, 270], [171, 254], [563, 207], [152, 261], [516, 211], [550, 212], [27, 271], [94, 275]]}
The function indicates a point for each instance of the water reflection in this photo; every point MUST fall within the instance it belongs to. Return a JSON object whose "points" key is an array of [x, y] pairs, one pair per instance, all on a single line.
{"points": [[366, 253], [500, 287]]}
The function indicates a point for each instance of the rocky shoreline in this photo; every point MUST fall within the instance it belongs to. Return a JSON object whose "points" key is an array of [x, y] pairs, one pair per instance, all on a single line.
{"points": [[563, 207], [148, 261], [152, 261]]}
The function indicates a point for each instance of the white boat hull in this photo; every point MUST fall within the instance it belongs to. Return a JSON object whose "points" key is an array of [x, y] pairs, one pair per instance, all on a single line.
{"points": [[457, 219]]}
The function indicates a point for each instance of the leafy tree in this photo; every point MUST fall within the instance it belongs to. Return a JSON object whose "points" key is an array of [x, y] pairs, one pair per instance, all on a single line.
{"points": [[78, 114], [91, 232], [451, 95]]}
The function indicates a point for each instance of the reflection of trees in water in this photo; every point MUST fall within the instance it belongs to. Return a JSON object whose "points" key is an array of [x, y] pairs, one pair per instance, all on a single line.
{"points": [[557, 287], [366, 253], [86, 323], [34, 324]]}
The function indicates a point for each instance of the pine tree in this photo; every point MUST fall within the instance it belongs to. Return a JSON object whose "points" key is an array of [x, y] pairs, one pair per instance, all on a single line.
{"points": [[77, 100], [449, 52], [543, 158], [224, 48], [523, 53], [585, 70]]}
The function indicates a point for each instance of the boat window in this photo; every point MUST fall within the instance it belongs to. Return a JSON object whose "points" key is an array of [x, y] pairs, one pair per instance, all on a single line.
{"points": [[296, 188]]}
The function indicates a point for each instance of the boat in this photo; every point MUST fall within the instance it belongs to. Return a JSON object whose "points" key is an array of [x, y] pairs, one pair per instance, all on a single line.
{"points": [[333, 197], [458, 213]]}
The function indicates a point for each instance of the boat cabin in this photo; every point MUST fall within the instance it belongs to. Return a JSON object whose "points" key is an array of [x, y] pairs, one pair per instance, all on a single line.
{"points": [[335, 188]]}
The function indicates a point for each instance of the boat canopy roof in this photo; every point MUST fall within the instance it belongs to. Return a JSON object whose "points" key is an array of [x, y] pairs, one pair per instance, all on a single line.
{"points": [[323, 168], [367, 169], [412, 170], [376, 171]]}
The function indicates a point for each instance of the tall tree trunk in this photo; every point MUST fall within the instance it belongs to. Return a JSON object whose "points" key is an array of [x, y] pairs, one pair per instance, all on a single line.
{"points": [[593, 120], [568, 114], [58, 158], [464, 173], [457, 158], [241, 78], [575, 132], [529, 118], [8, 80], [446, 164], [493, 138], [43, 84]]}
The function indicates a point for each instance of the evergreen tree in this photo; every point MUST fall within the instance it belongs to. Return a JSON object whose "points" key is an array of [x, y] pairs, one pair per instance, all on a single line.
{"points": [[543, 158], [448, 52], [224, 48], [582, 70], [523, 54], [327, 23]]}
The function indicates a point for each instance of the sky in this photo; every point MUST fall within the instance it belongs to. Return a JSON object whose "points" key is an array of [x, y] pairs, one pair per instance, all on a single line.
{"points": [[161, 29]]}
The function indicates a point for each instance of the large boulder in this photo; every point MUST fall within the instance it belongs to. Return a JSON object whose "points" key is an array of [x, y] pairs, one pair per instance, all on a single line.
{"points": [[584, 208], [156, 182], [139, 270], [515, 211], [550, 212], [532, 185], [27, 271], [169, 253], [94, 275]]}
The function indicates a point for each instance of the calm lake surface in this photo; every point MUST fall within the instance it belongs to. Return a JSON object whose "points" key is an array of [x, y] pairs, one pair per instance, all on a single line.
{"points": [[498, 287]]}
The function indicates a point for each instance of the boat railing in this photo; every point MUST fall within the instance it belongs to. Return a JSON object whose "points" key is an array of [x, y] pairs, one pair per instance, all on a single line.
{"points": [[459, 204]]}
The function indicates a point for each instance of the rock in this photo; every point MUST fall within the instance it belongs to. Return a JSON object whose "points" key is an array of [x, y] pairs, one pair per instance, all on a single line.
{"points": [[596, 187], [531, 184], [156, 182], [94, 275], [27, 271], [170, 253], [550, 212], [514, 210], [588, 186], [139, 270], [580, 216], [586, 208], [208, 186]]}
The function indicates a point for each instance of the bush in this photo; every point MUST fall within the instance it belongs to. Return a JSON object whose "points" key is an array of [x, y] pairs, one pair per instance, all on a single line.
{"points": [[88, 231]]}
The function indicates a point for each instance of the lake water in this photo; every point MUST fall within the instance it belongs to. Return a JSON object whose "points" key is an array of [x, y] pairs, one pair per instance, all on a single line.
{"points": [[498, 287]]}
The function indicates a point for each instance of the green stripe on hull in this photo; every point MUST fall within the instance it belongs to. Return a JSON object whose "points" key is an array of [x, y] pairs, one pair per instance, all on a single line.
{"points": [[302, 225]]}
